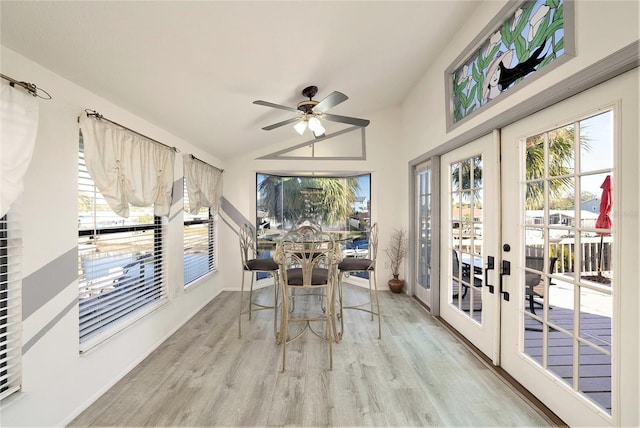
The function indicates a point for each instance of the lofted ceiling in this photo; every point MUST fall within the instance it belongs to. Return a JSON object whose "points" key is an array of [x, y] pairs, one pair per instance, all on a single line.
{"points": [[195, 67]]}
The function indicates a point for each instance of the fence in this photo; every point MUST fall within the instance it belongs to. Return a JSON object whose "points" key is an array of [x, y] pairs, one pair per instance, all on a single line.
{"points": [[593, 252]]}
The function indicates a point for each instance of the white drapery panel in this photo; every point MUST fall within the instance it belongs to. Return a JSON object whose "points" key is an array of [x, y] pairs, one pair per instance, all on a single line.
{"points": [[204, 184], [18, 129], [127, 169]]}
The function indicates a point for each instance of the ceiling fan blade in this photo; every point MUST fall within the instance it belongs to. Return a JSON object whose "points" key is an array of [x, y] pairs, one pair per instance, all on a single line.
{"points": [[268, 104], [279, 124], [344, 119], [331, 100]]}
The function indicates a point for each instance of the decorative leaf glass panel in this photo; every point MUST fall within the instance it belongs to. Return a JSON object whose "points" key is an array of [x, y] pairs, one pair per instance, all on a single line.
{"points": [[530, 38]]}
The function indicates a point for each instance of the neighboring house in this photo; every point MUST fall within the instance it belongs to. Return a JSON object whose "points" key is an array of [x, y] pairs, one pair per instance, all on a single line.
{"points": [[359, 221], [592, 205], [361, 204]]}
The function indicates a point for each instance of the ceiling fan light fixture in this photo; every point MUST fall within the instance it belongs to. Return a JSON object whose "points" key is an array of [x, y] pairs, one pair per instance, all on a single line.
{"points": [[319, 132], [316, 126], [300, 127]]}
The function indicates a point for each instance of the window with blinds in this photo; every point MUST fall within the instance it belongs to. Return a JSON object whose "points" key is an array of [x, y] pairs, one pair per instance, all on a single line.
{"points": [[10, 306], [199, 242], [120, 262]]}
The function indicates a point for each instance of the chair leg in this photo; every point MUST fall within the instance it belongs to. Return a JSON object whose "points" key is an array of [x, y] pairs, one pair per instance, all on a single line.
{"points": [[327, 333], [276, 292], [284, 329], [465, 290], [375, 293], [240, 313], [253, 275], [340, 314], [370, 297], [373, 310]]}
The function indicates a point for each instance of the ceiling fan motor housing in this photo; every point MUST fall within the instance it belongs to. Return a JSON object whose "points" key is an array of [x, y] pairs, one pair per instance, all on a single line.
{"points": [[307, 106]]}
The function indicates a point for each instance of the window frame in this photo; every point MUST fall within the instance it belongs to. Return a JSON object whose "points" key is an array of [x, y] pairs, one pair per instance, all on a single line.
{"points": [[350, 248]]}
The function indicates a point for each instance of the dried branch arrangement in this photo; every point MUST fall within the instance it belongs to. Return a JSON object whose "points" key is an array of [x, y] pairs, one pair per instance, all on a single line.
{"points": [[397, 250]]}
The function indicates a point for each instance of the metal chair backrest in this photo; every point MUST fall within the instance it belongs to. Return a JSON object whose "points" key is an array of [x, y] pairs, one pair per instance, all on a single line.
{"points": [[373, 242], [307, 252], [247, 236]]}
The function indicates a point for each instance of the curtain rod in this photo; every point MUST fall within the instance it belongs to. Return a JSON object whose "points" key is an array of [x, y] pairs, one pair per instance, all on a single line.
{"points": [[30, 87], [200, 160], [98, 116]]}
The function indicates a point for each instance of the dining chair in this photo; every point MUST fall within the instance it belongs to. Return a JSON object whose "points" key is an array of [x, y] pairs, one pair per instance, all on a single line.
{"points": [[253, 265], [534, 259], [308, 267], [365, 263]]}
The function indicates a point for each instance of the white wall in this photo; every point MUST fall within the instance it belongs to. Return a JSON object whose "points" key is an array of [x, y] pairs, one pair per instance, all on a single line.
{"points": [[58, 382]]}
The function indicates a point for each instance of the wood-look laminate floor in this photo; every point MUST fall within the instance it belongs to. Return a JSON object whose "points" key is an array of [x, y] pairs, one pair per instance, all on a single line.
{"points": [[418, 374]]}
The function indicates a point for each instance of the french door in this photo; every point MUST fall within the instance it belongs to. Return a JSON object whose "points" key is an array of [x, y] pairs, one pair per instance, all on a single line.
{"points": [[469, 240], [544, 278], [423, 272], [567, 174]]}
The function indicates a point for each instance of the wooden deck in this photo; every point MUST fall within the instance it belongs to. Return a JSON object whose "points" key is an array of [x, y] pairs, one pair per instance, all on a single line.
{"points": [[593, 365]]}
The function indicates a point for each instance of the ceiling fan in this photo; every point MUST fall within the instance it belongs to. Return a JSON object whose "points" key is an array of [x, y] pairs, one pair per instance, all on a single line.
{"points": [[309, 112]]}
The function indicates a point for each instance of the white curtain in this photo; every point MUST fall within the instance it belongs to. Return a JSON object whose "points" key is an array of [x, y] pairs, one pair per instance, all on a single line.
{"points": [[18, 129], [204, 184], [127, 168]]}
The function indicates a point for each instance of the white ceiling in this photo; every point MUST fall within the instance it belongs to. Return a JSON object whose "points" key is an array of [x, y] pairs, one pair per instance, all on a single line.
{"points": [[195, 67]]}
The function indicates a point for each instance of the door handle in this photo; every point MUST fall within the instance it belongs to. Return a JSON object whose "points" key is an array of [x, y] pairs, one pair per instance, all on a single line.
{"points": [[504, 271], [490, 266]]}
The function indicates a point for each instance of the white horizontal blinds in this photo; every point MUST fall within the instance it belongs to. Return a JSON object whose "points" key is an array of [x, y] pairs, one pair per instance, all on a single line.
{"points": [[121, 261], [10, 304], [199, 234]]}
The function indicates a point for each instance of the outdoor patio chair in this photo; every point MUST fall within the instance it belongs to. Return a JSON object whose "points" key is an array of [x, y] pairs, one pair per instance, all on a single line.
{"points": [[534, 259]]}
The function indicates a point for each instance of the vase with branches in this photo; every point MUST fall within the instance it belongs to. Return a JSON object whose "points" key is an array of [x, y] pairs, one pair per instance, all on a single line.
{"points": [[396, 252]]}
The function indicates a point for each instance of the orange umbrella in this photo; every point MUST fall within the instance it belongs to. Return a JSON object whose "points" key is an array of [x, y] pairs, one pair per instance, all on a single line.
{"points": [[604, 218]]}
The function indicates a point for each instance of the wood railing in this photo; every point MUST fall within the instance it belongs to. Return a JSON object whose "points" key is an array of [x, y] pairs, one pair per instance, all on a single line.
{"points": [[595, 254]]}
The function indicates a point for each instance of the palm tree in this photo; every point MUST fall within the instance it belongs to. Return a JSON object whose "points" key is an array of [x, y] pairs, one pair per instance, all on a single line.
{"points": [[461, 177], [561, 163], [328, 199], [467, 175]]}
